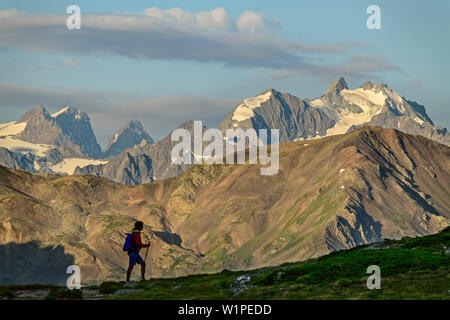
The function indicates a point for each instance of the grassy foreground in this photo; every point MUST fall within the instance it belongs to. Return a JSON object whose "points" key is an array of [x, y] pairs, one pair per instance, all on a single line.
{"points": [[411, 268]]}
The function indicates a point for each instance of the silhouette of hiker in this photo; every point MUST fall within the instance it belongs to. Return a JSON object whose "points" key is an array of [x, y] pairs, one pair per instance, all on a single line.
{"points": [[133, 247]]}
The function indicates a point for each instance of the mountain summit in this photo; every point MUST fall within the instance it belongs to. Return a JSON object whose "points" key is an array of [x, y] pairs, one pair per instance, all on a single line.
{"points": [[130, 135], [338, 85], [75, 124], [69, 129]]}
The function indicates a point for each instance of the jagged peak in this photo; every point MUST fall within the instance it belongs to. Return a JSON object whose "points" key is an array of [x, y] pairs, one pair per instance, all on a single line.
{"points": [[368, 85], [39, 107], [262, 93], [271, 90], [133, 124], [77, 113], [60, 111], [35, 111], [188, 125], [338, 85]]}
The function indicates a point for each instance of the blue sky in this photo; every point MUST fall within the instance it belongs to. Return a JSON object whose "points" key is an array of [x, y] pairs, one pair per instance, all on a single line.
{"points": [[164, 74]]}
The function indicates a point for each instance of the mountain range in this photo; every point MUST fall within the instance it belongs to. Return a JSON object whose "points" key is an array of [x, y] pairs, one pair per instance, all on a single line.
{"points": [[142, 163], [64, 142], [61, 142], [337, 111], [330, 193]]}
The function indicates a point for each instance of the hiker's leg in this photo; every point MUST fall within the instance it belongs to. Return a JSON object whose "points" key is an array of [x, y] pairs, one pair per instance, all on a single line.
{"points": [[143, 270], [130, 268], [131, 263], [142, 263]]}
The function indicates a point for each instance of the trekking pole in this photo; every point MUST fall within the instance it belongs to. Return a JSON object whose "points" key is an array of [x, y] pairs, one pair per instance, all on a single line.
{"points": [[145, 258]]}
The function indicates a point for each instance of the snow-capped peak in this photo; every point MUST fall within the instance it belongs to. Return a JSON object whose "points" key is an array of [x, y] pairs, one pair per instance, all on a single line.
{"points": [[354, 107], [77, 114], [245, 110], [62, 110]]}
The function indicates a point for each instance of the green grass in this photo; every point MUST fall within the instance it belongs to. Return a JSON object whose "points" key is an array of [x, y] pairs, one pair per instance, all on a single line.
{"points": [[8, 292], [64, 294], [411, 268], [415, 268], [79, 245]]}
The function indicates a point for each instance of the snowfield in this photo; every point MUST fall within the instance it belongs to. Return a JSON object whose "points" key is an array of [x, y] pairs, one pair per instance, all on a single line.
{"points": [[319, 103], [17, 145], [68, 165], [12, 128], [245, 110], [364, 98], [369, 101], [54, 115]]}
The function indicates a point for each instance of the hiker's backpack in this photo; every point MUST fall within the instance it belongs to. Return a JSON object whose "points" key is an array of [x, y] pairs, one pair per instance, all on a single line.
{"points": [[127, 246]]}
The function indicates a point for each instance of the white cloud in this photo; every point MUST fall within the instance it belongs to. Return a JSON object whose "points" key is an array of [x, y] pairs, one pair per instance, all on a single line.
{"points": [[209, 21], [250, 22], [177, 34], [215, 19]]}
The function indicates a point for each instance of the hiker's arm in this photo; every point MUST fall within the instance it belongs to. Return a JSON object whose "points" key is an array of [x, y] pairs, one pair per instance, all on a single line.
{"points": [[138, 241], [144, 245]]}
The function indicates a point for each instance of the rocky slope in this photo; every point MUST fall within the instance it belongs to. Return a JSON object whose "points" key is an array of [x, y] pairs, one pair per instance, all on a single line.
{"points": [[76, 125], [143, 163], [294, 117], [331, 193]]}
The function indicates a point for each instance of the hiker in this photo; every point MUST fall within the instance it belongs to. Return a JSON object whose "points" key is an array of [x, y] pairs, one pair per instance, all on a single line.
{"points": [[133, 245]]}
